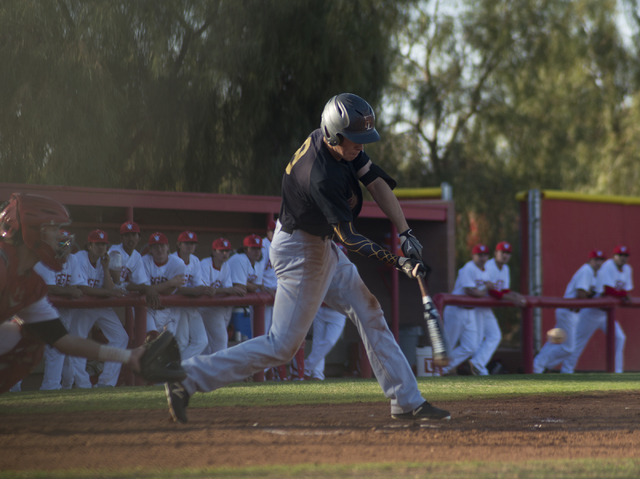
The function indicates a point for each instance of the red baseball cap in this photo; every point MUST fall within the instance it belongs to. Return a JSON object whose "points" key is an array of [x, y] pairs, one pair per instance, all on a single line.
{"points": [[252, 241], [221, 243], [271, 226], [98, 236], [129, 227], [188, 237], [158, 238], [621, 250], [480, 249], [597, 253], [504, 246]]}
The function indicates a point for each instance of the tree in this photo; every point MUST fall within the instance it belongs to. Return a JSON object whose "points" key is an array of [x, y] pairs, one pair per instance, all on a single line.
{"points": [[178, 94]]}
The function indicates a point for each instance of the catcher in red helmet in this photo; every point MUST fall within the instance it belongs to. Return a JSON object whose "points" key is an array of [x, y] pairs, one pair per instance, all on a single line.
{"points": [[30, 232]]}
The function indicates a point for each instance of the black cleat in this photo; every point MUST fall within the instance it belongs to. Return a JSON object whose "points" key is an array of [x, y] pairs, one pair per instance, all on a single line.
{"points": [[178, 400], [423, 412]]}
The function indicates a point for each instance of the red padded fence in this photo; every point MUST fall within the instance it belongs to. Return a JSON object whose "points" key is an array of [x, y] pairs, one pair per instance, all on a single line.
{"points": [[136, 317], [610, 304]]}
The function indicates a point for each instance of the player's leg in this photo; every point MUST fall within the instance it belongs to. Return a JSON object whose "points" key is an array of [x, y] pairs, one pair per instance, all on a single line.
{"points": [[588, 321], [182, 331], [491, 340], [83, 321], [113, 330], [318, 345], [54, 360], [20, 353], [215, 323], [468, 337], [333, 330], [197, 334], [349, 295], [304, 265], [621, 339]]}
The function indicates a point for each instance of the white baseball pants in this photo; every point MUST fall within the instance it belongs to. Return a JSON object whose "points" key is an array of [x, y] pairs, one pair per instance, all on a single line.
{"points": [[56, 364], [551, 355], [590, 319], [110, 324], [460, 325], [310, 269], [216, 320], [191, 335], [489, 337], [327, 328]]}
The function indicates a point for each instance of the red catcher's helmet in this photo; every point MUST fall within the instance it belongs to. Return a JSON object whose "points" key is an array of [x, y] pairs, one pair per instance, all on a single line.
{"points": [[39, 219]]}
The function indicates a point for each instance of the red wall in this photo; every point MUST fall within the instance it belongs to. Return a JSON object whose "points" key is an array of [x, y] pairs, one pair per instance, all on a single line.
{"points": [[570, 229]]}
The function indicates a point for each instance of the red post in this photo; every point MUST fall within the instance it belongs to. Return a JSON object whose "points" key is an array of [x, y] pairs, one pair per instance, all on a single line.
{"points": [[611, 340], [258, 330], [527, 339], [395, 300], [139, 333]]}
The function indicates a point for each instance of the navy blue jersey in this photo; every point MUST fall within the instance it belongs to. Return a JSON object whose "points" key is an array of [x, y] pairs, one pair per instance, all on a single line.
{"points": [[318, 190]]}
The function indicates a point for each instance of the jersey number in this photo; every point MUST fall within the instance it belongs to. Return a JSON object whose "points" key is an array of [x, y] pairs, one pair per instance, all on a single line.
{"points": [[299, 154]]}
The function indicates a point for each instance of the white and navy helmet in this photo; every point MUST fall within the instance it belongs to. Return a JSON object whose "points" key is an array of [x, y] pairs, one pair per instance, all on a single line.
{"points": [[347, 115]]}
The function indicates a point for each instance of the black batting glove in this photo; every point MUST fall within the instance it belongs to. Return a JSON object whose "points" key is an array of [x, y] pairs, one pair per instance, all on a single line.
{"points": [[411, 267], [410, 245]]}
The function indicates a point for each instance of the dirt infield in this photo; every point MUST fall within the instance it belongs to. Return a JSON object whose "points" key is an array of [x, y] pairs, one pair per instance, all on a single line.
{"points": [[541, 427]]}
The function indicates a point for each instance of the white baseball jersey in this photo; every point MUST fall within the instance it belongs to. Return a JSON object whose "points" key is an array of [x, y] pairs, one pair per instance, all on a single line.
{"points": [[192, 272], [92, 276], [269, 279], [163, 273], [469, 276], [216, 278], [583, 279], [499, 277], [610, 275], [133, 271], [242, 272], [68, 276]]}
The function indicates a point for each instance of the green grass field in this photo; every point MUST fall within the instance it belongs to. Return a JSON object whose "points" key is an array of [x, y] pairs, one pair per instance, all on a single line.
{"points": [[342, 391]]}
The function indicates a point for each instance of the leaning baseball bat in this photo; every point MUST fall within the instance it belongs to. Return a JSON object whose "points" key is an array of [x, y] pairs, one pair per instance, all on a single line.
{"points": [[435, 328]]}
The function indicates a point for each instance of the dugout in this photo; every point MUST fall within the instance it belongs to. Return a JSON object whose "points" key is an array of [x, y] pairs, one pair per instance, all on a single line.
{"points": [[558, 229], [236, 216]]}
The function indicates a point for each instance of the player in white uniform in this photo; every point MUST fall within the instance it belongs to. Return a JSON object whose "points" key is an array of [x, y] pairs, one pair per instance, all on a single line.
{"points": [[93, 269], [216, 274], [614, 278], [133, 275], [59, 283], [460, 324], [191, 335], [166, 273], [581, 286], [246, 273], [489, 334], [327, 328]]}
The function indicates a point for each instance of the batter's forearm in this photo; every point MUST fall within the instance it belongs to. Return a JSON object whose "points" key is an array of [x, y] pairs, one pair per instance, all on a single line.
{"points": [[388, 203], [362, 245]]}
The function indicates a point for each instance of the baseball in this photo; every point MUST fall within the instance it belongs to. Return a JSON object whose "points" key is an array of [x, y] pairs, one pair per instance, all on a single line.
{"points": [[557, 335]]}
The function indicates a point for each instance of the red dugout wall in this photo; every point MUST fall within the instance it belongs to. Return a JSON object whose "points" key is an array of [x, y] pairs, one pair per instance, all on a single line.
{"points": [[572, 225]]}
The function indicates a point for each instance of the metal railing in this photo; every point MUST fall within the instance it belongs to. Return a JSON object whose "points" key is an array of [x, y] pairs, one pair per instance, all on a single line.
{"points": [[608, 303]]}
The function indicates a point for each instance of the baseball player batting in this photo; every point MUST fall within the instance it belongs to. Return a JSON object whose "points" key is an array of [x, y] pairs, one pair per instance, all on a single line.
{"points": [[321, 197]]}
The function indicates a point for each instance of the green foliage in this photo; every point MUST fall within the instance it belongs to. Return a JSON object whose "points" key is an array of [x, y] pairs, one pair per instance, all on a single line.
{"points": [[178, 94]]}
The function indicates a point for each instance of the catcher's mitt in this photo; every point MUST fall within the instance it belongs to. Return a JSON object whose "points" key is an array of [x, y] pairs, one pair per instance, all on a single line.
{"points": [[160, 363]]}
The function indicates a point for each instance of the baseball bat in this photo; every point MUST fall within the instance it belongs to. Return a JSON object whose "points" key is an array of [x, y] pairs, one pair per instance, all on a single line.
{"points": [[435, 328]]}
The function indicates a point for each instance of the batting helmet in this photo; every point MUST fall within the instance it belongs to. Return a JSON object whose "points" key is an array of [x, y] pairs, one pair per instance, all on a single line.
{"points": [[38, 220], [347, 115]]}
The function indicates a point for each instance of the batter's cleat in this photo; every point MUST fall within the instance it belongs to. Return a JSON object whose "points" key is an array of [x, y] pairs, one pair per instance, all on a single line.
{"points": [[178, 400], [424, 412]]}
